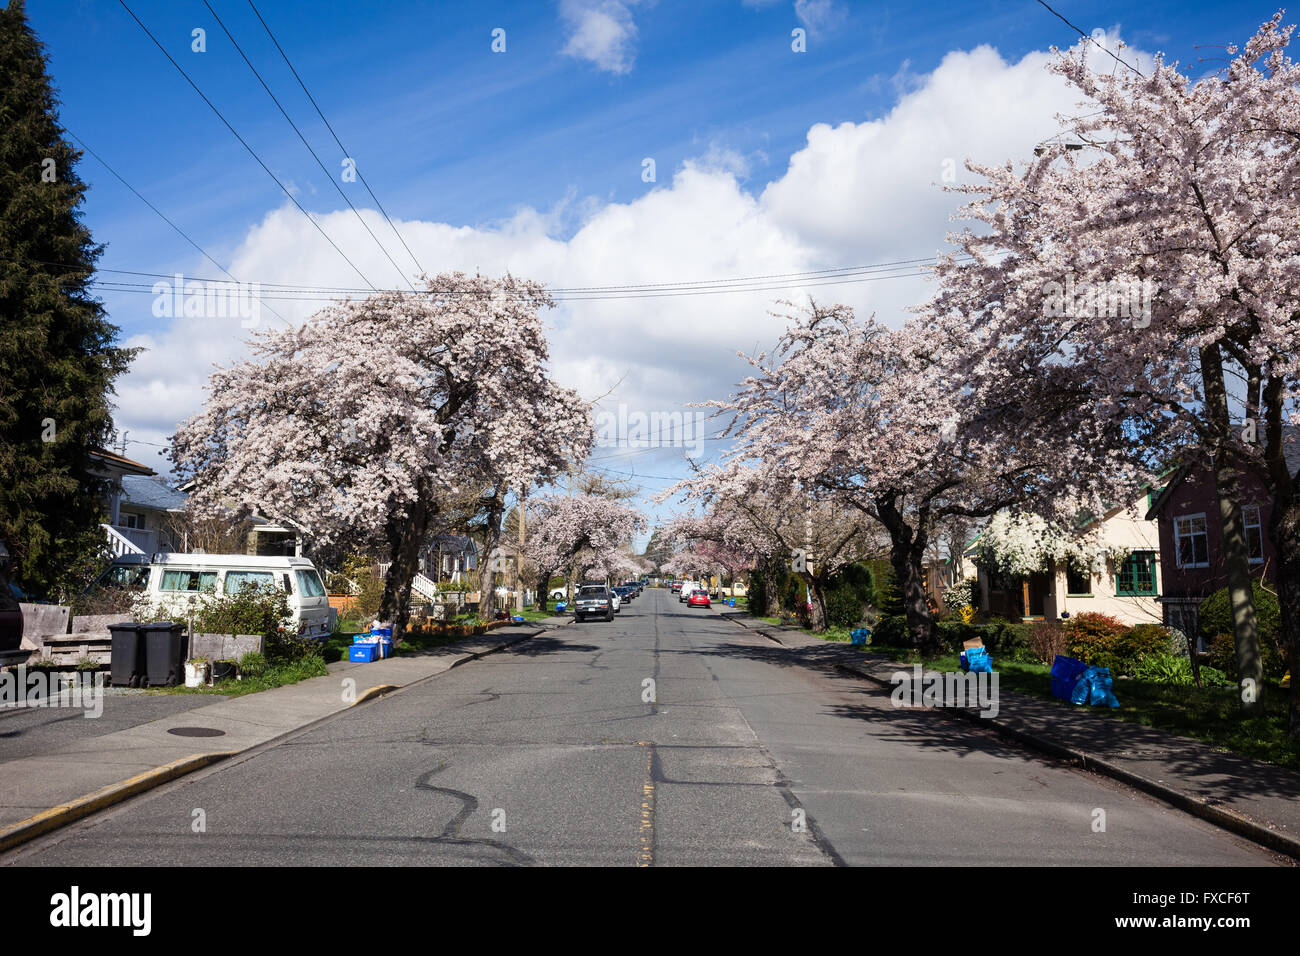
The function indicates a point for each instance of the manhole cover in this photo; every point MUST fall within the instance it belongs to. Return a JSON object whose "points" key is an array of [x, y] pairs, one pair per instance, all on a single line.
{"points": [[197, 732]]}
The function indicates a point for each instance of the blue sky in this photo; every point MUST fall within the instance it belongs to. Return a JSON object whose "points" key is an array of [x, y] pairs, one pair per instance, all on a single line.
{"points": [[450, 133]]}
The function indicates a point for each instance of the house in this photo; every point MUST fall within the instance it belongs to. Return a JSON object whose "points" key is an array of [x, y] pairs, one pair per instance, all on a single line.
{"points": [[126, 528], [445, 557], [1122, 579], [1191, 537]]}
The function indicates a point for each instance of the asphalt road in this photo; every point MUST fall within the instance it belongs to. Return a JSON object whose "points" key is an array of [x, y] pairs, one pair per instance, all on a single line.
{"points": [[558, 751]]}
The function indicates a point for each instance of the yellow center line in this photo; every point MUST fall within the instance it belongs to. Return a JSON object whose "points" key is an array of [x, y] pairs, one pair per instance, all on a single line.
{"points": [[646, 831]]}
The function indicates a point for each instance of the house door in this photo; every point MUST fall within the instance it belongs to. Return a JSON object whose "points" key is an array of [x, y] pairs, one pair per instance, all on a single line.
{"points": [[1036, 590]]}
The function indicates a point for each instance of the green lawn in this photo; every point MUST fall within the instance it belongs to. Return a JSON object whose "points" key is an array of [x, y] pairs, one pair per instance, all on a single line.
{"points": [[1210, 714], [276, 675]]}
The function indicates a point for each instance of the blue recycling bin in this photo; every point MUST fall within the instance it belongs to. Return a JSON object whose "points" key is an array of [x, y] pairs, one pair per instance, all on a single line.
{"points": [[1066, 672]]}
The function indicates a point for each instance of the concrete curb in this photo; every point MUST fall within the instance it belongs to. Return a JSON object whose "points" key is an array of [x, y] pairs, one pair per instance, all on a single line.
{"points": [[65, 813], [1203, 809], [1220, 817], [15, 834]]}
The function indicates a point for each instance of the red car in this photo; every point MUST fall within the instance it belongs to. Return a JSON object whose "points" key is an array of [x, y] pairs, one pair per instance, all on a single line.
{"points": [[699, 599]]}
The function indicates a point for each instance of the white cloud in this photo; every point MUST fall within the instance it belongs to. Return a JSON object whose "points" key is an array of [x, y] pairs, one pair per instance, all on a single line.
{"points": [[856, 193], [601, 32], [819, 15]]}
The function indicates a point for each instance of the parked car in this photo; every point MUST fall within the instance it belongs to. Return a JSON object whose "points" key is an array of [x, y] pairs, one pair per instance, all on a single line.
{"points": [[593, 601], [699, 598], [685, 593], [676, 586], [11, 615], [625, 593], [178, 582]]}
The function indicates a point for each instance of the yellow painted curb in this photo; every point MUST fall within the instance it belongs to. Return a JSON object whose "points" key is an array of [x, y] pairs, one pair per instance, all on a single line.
{"points": [[370, 693], [65, 813]]}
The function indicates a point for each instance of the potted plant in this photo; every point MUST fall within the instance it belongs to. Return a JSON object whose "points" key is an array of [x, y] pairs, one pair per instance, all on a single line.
{"points": [[198, 672], [225, 670]]}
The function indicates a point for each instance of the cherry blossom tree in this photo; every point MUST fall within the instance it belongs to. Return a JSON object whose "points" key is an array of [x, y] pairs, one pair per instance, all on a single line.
{"points": [[788, 527], [588, 532], [354, 424], [1153, 276], [857, 418]]}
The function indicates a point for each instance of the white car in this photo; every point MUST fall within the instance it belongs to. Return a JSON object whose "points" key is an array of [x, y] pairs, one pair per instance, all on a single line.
{"points": [[618, 602]]}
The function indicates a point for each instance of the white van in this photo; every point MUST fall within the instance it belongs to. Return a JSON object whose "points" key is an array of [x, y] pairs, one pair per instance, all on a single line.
{"points": [[177, 583]]}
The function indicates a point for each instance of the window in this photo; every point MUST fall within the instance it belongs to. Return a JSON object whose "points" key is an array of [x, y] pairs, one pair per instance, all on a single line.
{"points": [[1078, 579], [237, 579], [1254, 533], [309, 584], [126, 520], [1191, 541], [1137, 576], [176, 579]]}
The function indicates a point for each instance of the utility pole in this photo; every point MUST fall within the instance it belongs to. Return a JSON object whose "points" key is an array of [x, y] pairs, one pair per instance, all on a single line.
{"points": [[519, 562]]}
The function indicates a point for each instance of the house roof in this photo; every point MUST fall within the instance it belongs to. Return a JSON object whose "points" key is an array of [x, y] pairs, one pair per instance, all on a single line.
{"points": [[147, 492], [121, 463], [1290, 452]]}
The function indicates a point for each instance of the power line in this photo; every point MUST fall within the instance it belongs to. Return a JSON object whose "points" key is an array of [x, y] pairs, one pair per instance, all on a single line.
{"points": [[313, 296], [1089, 38], [342, 148], [242, 142], [841, 272], [283, 112], [184, 235]]}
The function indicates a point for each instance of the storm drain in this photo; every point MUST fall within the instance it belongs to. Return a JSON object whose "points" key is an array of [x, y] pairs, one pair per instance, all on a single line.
{"points": [[197, 732]]}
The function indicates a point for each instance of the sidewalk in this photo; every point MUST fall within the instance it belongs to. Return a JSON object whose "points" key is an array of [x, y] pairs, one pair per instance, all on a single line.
{"points": [[42, 792], [1253, 799]]}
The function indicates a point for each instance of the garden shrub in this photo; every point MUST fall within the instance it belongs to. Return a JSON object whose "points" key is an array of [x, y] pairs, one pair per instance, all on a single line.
{"points": [[1223, 656], [1215, 619], [1104, 641], [1046, 640], [885, 593], [891, 630], [843, 606], [756, 596], [253, 664], [960, 595]]}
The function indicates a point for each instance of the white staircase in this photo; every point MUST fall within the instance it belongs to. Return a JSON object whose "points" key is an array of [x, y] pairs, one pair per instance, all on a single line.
{"points": [[119, 543]]}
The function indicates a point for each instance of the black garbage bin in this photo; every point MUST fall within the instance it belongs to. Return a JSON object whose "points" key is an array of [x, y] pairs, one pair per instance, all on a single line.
{"points": [[127, 666], [164, 649]]}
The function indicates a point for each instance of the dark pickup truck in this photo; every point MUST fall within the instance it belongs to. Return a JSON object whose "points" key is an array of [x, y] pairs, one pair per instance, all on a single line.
{"points": [[593, 602]]}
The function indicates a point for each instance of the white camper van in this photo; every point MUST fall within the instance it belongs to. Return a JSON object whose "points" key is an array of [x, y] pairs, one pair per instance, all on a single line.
{"points": [[178, 581]]}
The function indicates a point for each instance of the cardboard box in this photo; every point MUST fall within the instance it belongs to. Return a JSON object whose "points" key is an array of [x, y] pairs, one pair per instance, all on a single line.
{"points": [[973, 642]]}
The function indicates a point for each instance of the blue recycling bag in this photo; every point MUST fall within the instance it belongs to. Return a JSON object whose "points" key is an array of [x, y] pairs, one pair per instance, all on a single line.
{"points": [[1095, 687], [859, 635], [976, 660]]}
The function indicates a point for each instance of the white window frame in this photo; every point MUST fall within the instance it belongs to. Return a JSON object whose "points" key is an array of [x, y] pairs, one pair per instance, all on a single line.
{"points": [[1258, 524], [1178, 541]]}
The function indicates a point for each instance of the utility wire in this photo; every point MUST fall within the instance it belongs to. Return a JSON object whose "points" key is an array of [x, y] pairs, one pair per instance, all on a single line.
{"points": [[1090, 39], [882, 270], [342, 148], [164, 218], [250, 149], [283, 112]]}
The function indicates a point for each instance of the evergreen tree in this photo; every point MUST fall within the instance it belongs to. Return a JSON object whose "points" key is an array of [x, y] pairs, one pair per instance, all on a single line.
{"points": [[57, 354]]}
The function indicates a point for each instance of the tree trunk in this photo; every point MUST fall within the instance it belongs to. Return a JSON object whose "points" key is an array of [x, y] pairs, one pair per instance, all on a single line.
{"points": [[1250, 671], [817, 610], [404, 539], [1284, 531], [772, 567], [488, 573], [906, 556], [543, 588], [1286, 520]]}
